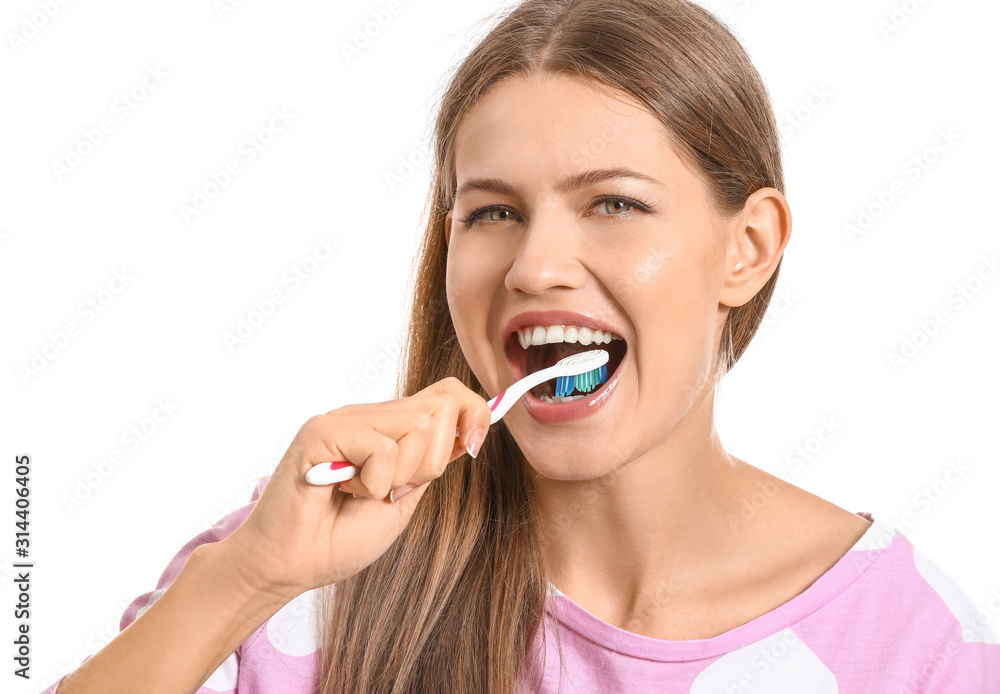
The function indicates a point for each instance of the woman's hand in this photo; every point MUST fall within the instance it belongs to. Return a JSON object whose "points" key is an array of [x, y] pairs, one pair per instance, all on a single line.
{"points": [[299, 536]]}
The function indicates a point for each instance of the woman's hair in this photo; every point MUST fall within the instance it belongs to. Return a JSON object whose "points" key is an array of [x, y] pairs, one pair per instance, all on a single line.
{"points": [[455, 603]]}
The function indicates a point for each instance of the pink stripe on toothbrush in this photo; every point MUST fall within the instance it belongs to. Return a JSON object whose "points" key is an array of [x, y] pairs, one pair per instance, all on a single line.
{"points": [[497, 403]]}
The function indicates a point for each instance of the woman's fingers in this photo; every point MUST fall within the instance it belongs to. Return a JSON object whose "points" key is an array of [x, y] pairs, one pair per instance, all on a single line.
{"points": [[303, 535], [421, 429], [366, 439], [320, 440], [391, 446], [473, 411], [401, 458]]}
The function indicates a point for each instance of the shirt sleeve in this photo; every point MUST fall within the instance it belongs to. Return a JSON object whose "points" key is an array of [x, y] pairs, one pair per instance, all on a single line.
{"points": [[224, 679], [968, 659]]}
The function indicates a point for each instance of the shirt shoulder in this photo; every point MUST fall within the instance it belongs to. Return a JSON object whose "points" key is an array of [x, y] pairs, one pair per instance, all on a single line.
{"points": [[883, 618], [901, 620]]}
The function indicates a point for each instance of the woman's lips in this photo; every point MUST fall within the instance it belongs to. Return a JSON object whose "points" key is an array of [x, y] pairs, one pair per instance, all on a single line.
{"points": [[556, 413], [520, 358], [517, 358]]}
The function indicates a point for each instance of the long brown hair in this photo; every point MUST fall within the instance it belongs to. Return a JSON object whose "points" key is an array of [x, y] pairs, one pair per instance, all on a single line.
{"points": [[455, 603]]}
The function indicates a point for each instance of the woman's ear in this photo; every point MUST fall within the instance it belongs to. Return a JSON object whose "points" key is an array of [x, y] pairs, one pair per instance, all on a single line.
{"points": [[757, 240], [447, 227]]}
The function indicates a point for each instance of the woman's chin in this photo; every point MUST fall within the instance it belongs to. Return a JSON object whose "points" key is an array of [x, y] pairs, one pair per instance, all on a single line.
{"points": [[567, 466]]}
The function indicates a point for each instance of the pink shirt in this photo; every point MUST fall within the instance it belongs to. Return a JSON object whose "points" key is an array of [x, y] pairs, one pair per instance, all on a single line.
{"points": [[882, 619]]}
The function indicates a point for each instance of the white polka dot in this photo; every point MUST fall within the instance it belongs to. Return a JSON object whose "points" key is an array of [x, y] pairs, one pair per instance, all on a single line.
{"points": [[978, 625], [878, 536], [776, 665], [226, 677], [293, 629]]}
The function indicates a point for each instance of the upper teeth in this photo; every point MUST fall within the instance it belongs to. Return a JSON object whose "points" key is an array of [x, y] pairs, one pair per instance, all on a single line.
{"points": [[542, 335]]}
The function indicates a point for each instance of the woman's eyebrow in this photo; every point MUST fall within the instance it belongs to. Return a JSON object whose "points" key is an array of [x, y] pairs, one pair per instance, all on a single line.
{"points": [[586, 178]]}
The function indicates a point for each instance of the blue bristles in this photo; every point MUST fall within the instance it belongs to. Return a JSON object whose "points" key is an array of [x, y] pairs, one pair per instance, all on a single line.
{"points": [[584, 382]]}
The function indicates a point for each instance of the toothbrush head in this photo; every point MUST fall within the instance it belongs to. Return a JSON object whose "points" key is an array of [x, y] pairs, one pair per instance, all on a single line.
{"points": [[594, 372], [581, 363], [585, 370]]}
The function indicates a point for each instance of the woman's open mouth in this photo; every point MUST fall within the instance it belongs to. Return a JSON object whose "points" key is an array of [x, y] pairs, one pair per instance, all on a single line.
{"points": [[525, 357]]}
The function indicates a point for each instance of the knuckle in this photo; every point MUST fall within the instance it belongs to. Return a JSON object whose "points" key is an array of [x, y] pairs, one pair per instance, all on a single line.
{"points": [[313, 424], [450, 407], [450, 386], [438, 467], [446, 402], [386, 448], [453, 404], [453, 382], [424, 422]]}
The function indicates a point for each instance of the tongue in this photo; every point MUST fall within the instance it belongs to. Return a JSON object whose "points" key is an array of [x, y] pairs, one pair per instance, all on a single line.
{"points": [[552, 353]]}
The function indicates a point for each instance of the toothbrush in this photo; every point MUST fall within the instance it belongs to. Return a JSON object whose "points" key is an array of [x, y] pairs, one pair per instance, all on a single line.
{"points": [[584, 371]]}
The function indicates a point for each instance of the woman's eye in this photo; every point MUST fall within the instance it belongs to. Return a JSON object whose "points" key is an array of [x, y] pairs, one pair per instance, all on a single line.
{"points": [[487, 213], [506, 214], [615, 205], [609, 207]]}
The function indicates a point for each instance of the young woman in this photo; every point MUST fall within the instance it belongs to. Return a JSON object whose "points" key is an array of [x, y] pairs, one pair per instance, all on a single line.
{"points": [[603, 168]]}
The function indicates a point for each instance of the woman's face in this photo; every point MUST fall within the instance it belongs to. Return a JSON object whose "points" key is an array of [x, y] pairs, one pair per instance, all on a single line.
{"points": [[651, 274]]}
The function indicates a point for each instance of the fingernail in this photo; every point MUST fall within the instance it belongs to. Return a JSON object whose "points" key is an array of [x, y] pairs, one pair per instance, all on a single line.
{"points": [[475, 441], [355, 496], [397, 494]]}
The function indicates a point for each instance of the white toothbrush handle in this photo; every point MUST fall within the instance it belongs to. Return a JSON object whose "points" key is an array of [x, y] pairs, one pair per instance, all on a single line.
{"points": [[501, 404], [331, 473]]}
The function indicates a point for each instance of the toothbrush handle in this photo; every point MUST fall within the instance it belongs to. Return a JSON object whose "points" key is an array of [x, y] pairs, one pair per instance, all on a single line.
{"points": [[340, 470]]}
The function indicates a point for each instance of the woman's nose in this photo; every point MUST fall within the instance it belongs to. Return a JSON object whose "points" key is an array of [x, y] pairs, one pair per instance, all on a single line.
{"points": [[547, 257]]}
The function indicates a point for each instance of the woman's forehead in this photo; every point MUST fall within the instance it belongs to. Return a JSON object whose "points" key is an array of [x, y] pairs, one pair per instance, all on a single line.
{"points": [[560, 123], [553, 102]]}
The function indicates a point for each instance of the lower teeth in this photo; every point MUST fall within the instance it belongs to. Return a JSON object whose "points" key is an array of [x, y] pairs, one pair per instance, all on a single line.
{"points": [[567, 398]]}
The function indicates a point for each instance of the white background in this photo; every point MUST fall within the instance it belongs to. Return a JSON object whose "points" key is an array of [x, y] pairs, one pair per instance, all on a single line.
{"points": [[823, 356]]}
